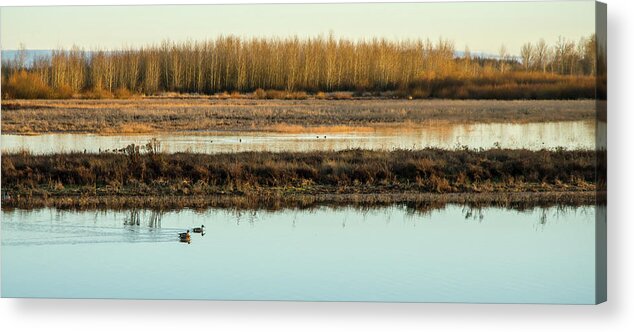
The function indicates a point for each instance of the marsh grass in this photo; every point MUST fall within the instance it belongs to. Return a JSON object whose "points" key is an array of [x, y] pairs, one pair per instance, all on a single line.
{"points": [[352, 175], [210, 114], [128, 128]]}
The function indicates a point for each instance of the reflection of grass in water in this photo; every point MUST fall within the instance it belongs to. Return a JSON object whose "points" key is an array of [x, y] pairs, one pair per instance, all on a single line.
{"points": [[285, 128], [134, 218], [548, 216], [56, 234], [139, 226], [414, 202], [544, 216]]}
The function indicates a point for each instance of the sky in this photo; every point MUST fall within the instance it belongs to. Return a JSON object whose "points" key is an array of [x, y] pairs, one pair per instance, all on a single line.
{"points": [[482, 26]]}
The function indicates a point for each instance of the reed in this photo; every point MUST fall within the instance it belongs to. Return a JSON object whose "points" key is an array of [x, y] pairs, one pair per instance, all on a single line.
{"points": [[264, 175]]}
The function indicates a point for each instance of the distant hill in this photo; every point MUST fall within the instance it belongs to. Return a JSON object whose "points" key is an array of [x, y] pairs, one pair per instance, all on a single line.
{"points": [[30, 54], [484, 55]]}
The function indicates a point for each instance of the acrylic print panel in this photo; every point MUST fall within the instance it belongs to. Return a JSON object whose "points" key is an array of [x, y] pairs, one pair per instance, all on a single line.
{"points": [[398, 152]]}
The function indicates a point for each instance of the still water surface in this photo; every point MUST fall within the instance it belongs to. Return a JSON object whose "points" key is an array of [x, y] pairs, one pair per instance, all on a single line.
{"points": [[534, 136], [385, 254]]}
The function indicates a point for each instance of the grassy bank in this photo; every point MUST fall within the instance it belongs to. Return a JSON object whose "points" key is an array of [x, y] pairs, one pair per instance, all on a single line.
{"points": [[205, 114], [274, 200], [266, 178]]}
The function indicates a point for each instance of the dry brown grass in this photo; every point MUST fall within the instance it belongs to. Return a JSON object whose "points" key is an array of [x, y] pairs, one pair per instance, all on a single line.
{"points": [[128, 128], [253, 179], [350, 171], [211, 114], [284, 128]]}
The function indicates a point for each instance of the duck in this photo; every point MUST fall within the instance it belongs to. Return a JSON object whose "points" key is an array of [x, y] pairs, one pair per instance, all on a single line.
{"points": [[200, 229], [184, 237]]}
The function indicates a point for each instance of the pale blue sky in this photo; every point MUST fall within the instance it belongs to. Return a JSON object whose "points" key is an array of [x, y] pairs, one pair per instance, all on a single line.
{"points": [[483, 26]]}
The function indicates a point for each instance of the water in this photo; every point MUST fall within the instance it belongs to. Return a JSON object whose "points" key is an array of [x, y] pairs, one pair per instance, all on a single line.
{"points": [[326, 254], [534, 136]]}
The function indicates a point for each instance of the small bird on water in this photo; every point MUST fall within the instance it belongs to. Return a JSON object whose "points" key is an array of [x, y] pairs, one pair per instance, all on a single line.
{"points": [[199, 229], [185, 237]]}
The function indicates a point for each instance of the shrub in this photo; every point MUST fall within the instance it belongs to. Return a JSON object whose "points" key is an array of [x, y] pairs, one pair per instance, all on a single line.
{"points": [[122, 93], [275, 94], [97, 93], [341, 95], [419, 93], [63, 92], [297, 95], [259, 93], [25, 85]]}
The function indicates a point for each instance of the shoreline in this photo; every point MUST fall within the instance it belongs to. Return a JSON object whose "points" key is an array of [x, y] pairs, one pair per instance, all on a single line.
{"points": [[417, 201], [298, 130]]}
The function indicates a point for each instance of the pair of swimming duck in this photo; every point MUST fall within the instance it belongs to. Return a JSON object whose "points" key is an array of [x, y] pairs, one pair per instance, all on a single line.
{"points": [[186, 237]]}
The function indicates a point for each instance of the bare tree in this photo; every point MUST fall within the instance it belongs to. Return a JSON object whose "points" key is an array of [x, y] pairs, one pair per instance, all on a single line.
{"points": [[527, 55], [229, 63], [503, 53]]}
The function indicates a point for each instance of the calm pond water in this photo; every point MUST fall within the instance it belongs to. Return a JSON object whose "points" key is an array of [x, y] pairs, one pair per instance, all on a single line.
{"points": [[453, 254], [535, 136]]}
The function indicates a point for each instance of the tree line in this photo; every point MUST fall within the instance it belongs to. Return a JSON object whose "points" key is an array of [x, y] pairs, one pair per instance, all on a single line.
{"points": [[234, 64]]}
